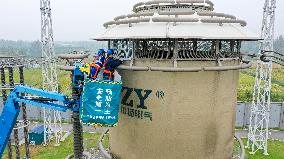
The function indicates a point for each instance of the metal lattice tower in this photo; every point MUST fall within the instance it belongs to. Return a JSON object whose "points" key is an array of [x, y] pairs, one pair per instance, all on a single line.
{"points": [[259, 120], [52, 119]]}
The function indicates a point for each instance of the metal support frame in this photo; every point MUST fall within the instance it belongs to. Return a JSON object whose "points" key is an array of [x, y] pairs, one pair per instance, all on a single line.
{"points": [[259, 119], [77, 127], [49, 72], [16, 133], [25, 117]]}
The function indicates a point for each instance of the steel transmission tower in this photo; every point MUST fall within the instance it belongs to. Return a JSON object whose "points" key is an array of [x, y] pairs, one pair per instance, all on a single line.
{"points": [[52, 119], [259, 120]]}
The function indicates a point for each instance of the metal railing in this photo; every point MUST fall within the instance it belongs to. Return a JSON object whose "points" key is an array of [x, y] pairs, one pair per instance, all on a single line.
{"points": [[189, 69]]}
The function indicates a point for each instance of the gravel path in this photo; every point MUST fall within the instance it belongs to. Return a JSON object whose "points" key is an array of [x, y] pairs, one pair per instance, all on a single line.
{"points": [[275, 135]]}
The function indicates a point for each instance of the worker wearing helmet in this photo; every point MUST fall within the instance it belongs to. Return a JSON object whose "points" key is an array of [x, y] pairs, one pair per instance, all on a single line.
{"points": [[97, 64], [110, 65]]}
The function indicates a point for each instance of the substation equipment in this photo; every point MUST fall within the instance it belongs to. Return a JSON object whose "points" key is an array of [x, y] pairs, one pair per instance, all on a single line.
{"points": [[180, 78], [21, 95], [10, 66]]}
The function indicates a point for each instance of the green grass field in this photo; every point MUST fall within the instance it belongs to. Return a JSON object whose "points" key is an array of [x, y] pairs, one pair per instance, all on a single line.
{"points": [[33, 78], [246, 84], [275, 150], [62, 151]]}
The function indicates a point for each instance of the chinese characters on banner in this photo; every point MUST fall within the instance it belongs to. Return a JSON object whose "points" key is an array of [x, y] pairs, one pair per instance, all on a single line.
{"points": [[100, 99], [100, 103]]}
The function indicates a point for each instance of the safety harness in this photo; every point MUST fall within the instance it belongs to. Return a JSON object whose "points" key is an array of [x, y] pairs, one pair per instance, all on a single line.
{"points": [[107, 71], [98, 65]]}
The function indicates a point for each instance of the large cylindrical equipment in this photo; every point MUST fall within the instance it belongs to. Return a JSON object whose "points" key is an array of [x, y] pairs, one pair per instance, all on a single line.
{"points": [[180, 80], [192, 114]]}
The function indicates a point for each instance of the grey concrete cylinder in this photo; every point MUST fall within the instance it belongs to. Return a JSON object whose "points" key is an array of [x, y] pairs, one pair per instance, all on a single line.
{"points": [[193, 114]]}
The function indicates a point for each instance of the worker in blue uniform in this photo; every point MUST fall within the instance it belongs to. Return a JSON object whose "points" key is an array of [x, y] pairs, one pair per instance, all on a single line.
{"points": [[110, 65], [97, 64]]}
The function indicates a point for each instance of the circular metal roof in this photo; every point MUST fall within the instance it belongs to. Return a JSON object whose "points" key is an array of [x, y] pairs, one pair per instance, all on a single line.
{"points": [[185, 19]]}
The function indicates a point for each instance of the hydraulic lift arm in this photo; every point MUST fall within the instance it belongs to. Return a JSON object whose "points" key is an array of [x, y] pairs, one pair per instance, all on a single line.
{"points": [[44, 99]]}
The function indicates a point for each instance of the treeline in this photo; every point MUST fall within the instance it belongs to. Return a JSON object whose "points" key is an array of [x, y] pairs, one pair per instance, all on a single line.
{"points": [[253, 47], [279, 44], [9, 47], [33, 48]]}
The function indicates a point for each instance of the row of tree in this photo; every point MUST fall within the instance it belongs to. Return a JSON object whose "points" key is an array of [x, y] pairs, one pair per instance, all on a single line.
{"points": [[33, 49], [279, 44], [253, 47]]}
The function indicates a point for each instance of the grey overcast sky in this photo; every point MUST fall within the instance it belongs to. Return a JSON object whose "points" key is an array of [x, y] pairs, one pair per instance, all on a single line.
{"points": [[75, 20]]}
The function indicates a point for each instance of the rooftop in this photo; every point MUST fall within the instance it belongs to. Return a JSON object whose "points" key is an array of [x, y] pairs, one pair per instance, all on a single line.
{"points": [[185, 19]]}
